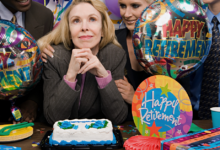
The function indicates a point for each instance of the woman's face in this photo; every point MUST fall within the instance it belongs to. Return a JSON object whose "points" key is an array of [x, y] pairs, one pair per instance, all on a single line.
{"points": [[131, 10], [85, 24]]}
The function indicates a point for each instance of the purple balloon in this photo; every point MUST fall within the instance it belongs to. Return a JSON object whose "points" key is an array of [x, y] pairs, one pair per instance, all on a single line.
{"points": [[42, 1], [113, 7], [39, 1]]}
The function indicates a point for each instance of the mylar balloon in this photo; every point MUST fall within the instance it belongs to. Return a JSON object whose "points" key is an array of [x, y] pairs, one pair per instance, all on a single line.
{"points": [[40, 1], [113, 7], [20, 62], [172, 38]]}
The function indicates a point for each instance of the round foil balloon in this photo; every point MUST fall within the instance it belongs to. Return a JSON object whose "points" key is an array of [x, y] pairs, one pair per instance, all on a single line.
{"points": [[172, 38], [20, 62]]}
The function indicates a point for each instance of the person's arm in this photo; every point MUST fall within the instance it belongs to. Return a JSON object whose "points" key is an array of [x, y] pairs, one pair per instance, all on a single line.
{"points": [[112, 103], [48, 50], [59, 97]]}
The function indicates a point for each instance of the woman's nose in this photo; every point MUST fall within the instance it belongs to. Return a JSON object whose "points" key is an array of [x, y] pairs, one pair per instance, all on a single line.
{"points": [[128, 12], [85, 25]]}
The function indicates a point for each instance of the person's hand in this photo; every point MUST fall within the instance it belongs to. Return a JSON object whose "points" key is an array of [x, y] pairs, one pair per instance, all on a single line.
{"points": [[93, 65], [47, 51], [28, 111], [126, 89], [75, 64], [146, 68]]}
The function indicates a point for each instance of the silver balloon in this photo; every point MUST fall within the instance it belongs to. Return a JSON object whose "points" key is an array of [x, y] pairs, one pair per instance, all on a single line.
{"points": [[172, 38]]}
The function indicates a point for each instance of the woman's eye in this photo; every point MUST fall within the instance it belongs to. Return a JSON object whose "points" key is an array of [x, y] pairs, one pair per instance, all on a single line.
{"points": [[92, 19], [76, 21], [135, 5], [122, 6]]}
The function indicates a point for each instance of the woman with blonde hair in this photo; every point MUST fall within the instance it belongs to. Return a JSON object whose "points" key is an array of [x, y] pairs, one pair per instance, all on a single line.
{"points": [[79, 79], [130, 11]]}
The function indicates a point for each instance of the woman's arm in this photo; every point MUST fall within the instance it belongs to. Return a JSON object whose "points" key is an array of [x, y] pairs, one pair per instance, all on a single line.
{"points": [[59, 97], [112, 103]]}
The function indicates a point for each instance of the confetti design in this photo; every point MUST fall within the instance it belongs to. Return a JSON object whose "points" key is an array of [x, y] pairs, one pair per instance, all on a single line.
{"points": [[184, 108]]}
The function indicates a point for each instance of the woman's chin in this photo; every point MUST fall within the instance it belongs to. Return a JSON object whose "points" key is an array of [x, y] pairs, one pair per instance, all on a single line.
{"points": [[130, 27], [83, 46]]}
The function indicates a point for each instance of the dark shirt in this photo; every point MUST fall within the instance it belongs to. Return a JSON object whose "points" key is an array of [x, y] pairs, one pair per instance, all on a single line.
{"points": [[134, 77]]}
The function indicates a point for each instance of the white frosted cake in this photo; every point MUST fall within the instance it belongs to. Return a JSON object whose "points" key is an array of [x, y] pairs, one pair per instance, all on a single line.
{"points": [[82, 132]]}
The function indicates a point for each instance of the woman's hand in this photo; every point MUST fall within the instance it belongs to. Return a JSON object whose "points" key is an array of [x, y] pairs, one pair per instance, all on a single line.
{"points": [[93, 65], [47, 51], [126, 89], [76, 62]]}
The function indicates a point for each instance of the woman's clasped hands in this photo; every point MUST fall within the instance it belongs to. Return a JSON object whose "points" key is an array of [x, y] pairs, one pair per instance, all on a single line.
{"points": [[82, 60]]}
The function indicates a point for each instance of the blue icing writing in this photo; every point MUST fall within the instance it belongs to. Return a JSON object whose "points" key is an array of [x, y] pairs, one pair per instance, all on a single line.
{"points": [[82, 121], [162, 109]]}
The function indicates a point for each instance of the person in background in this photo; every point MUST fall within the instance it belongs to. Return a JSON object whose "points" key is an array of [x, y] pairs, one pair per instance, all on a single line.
{"points": [[79, 79], [38, 21], [204, 86], [130, 11]]}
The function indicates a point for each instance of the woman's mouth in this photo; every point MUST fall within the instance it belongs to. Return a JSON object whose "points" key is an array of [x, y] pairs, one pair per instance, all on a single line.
{"points": [[85, 37], [130, 22]]}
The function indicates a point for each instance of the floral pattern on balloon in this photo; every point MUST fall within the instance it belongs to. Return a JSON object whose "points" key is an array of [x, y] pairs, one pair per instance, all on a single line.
{"points": [[20, 63], [172, 38]]}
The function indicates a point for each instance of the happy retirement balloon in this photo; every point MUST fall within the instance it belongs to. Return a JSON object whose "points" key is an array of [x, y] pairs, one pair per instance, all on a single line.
{"points": [[20, 62], [172, 38]]}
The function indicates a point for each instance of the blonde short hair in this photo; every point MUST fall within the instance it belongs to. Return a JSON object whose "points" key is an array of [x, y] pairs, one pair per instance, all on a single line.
{"points": [[61, 34]]}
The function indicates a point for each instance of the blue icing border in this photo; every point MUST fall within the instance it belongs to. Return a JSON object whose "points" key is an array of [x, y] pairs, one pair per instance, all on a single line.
{"points": [[81, 121], [53, 142]]}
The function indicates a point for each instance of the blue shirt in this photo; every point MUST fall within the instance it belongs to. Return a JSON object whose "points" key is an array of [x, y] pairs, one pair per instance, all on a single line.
{"points": [[196, 78]]}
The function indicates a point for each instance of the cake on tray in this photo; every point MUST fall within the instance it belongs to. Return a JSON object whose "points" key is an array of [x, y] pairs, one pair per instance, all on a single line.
{"points": [[82, 132]]}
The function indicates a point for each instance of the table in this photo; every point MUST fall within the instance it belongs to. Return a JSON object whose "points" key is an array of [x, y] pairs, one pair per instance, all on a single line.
{"points": [[37, 136]]}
